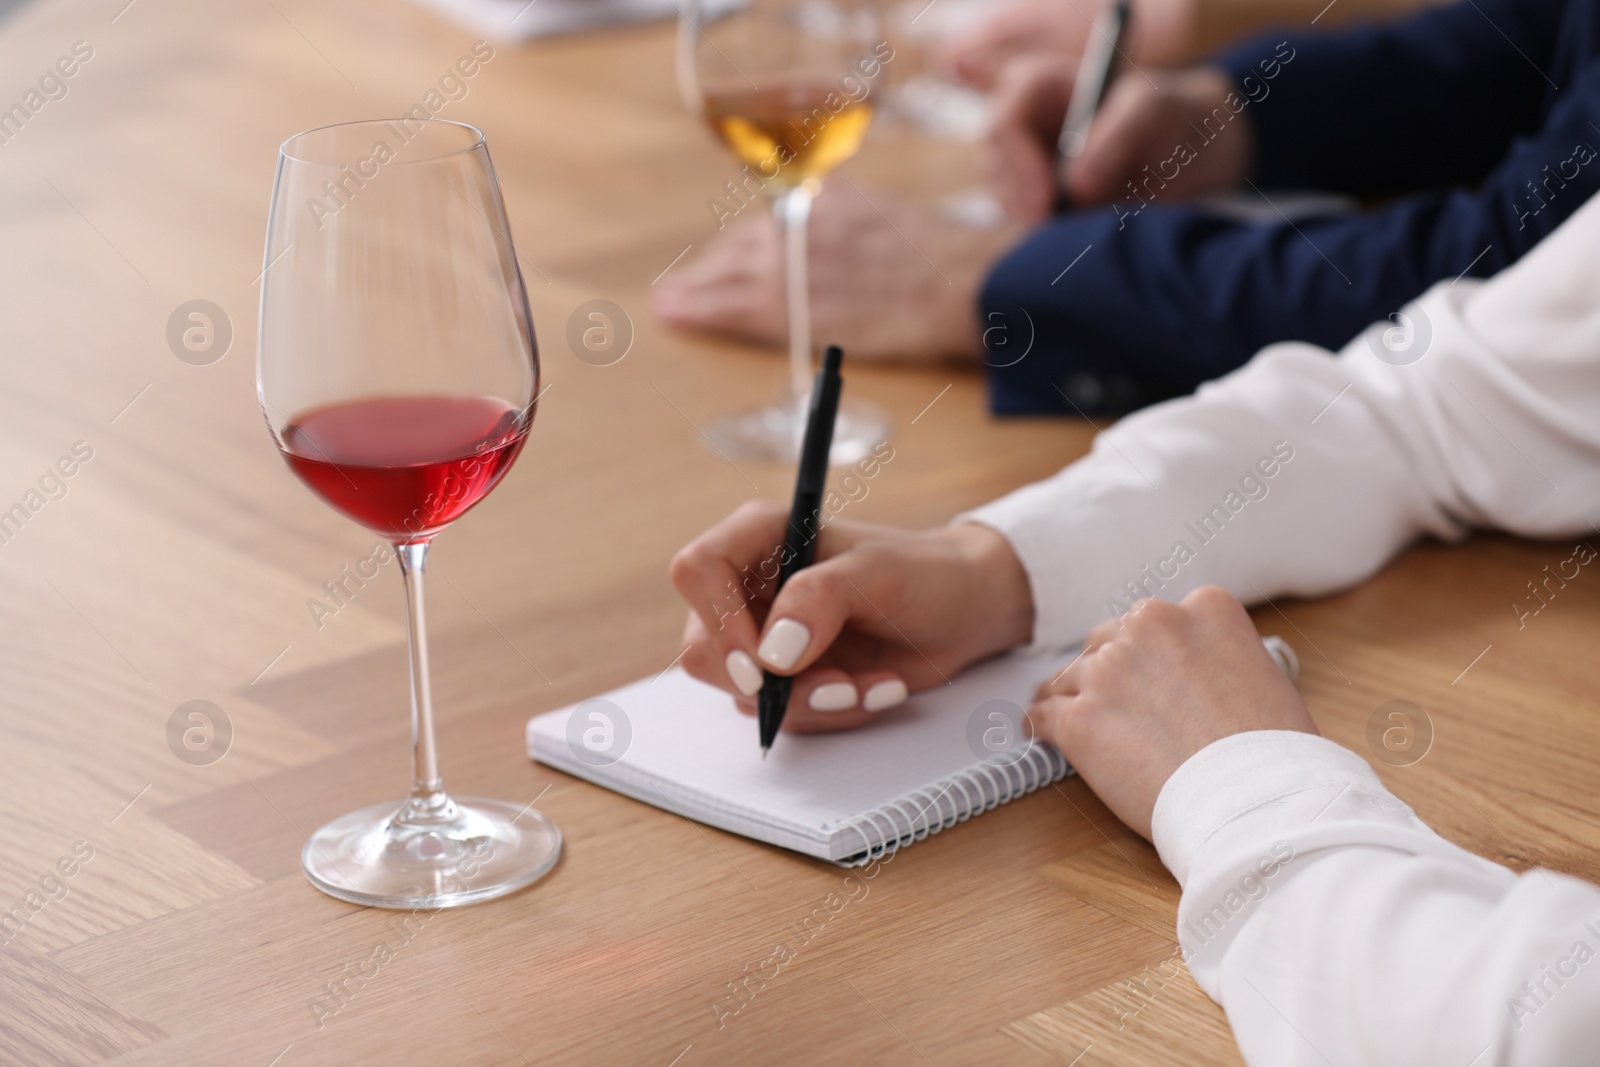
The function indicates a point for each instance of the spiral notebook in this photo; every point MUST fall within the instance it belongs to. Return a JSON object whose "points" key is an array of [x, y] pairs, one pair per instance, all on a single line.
{"points": [[947, 754]]}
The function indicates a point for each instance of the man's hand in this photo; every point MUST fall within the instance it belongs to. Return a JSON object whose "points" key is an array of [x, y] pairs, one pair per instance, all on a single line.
{"points": [[1157, 686], [1162, 33], [977, 54], [887, 280], [1172, 135], [880, 613]]}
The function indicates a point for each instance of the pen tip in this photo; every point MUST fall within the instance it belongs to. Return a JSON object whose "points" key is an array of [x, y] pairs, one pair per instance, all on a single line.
{"points": [[764, 751]]}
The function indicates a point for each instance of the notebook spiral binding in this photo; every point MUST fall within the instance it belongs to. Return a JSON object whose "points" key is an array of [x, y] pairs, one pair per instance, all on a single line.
{"points": [[923, 812]]}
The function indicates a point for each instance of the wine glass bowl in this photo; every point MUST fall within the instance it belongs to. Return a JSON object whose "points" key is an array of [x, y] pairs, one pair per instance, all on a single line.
{"points": [[787, 85], [405, 466], [787, 130], [398, 374]]}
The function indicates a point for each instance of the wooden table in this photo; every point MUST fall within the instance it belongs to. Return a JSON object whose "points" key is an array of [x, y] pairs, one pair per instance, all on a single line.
{"points": [[180, 563]]}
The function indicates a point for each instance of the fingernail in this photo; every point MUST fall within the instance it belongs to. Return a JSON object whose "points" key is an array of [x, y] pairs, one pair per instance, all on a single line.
{"points": [[885, 695], [744, 672], [786, 640], [835, 696]]}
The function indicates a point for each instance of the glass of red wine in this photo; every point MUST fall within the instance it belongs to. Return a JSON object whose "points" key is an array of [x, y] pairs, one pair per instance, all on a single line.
{"points": [[398, 373]]}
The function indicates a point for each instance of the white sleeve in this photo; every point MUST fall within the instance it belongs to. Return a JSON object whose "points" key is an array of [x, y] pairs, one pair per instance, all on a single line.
{"points": [[1303, 473], [1335, 928]]}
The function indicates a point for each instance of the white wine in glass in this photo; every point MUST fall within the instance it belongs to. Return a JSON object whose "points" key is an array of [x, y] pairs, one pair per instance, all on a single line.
{"points": [[788, 86], [778, 129]]}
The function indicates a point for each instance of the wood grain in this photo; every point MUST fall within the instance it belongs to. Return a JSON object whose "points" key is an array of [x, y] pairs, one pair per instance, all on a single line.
{"points": [[54, 1019], [1145, 1015], [179, 563]]}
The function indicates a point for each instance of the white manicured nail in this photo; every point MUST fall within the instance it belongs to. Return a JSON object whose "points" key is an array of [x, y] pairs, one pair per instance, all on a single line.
{"points": [[744, 672], [785, 642], [885, 695], [835, 696]]}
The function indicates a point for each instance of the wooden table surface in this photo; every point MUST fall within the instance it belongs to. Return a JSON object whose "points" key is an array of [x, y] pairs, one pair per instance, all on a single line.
{"points": [[179, 561]]}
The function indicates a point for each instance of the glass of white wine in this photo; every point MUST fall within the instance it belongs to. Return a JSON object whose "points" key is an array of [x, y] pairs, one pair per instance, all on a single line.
{"points": [[789, 86]]}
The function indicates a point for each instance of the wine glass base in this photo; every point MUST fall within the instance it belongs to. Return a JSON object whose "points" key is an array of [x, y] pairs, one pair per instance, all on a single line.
{"points": [[777, 431], [473, 849]]}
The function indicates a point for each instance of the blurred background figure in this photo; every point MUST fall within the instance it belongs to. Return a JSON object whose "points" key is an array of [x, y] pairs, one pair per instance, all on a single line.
{"points": [[1185, 256], [1165, 33]]}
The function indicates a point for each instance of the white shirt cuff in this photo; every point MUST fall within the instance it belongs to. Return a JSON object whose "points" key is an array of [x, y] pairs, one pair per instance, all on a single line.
{"points": [[1062, 613], [1284, 775]]}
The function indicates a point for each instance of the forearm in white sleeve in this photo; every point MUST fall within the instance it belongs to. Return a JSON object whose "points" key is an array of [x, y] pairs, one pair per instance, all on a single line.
{"points": [[1303, 473], [1336, 929]]}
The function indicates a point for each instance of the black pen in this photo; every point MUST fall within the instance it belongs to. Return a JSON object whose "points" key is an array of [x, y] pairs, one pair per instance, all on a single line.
{"points": [[805, 519], [1094, 74]]}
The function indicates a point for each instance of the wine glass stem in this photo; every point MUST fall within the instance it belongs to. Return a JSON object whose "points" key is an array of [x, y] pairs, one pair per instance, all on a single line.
{"points": [[427, 789], [793, 209]]}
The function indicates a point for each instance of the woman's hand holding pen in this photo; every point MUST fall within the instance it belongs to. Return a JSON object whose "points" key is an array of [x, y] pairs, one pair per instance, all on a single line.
{"points": [[881, 612], [1179, 125]]}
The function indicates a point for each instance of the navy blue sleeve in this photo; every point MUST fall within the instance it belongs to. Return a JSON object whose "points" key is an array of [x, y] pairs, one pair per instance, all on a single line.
{"points": [[1430, 100], [1110, 309]]}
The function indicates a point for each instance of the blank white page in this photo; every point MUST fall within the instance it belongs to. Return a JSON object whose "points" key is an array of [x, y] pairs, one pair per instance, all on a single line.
{"points": [[692, 752]]}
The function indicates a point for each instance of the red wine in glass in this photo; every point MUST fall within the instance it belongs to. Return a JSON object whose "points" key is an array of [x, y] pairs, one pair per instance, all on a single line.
{"points": [[405, 466], [397, 370]]}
